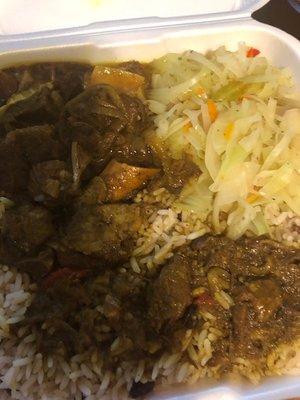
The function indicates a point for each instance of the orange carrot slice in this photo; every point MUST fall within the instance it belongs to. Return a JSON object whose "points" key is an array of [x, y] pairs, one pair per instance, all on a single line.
{"points": [[212, 110], [124, 81]]}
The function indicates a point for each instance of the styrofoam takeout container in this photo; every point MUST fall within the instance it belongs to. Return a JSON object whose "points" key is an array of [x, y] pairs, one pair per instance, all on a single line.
{"points": [[30, 31]]}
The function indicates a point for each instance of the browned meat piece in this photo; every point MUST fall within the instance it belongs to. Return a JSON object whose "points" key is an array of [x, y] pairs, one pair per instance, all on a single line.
{"points": [[38, 105], [137, 68], [80, 160], [14, 171], [176, 172], [99, 106], [123, 286], [95, 193], [265, 296], [21, 148], [68, 274], [9, 253], [261, 256], [37, 266], [50, 182], [136, 114], [245, 257], [8, 86], [122, 179], [90, 139], [71, 259], [76, 260], [60, 298], [133, 150], [28, 226], [67, 77], [282, 262], [55, 305], [102, 147], [106, 231], [36, 143], [214, 250], [117, 182], [251, 338], [218, 279], [170, 294], [99, 147], [104, 109], [133, 66]]}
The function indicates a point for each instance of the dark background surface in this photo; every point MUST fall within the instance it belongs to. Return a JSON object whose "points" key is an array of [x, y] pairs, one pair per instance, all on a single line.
{"points": [[281, 14]]}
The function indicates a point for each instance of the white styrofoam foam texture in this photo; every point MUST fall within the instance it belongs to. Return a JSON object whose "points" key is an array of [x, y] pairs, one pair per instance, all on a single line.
{"points": [[21, 16], [144, 45]]}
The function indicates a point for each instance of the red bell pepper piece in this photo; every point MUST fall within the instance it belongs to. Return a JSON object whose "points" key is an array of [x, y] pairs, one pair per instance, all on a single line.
{"points": [[252, 52]]}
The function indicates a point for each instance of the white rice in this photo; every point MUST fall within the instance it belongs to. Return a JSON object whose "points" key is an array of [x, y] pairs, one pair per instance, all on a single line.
{"points": [[26, 374], [167, 229], [30, 376]]}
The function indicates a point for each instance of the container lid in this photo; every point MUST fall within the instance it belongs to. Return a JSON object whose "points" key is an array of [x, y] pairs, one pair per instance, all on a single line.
{"points": [[25, 16]]}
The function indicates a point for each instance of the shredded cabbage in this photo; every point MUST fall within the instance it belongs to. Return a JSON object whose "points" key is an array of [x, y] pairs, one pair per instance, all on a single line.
{"points": [[250, 154], [195, 189]]}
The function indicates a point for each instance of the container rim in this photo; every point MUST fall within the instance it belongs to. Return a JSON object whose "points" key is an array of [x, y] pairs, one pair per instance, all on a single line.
{"points": [[113, 26]]}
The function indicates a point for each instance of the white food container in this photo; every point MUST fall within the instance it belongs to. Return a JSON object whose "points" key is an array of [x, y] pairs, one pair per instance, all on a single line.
{"points": [[144, 30]]}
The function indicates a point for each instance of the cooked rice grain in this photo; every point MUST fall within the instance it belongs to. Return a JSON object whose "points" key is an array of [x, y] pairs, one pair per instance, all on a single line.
{"points": [[31, 376]]}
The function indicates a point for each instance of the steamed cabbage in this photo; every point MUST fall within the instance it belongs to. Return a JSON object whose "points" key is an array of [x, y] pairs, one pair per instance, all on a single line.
{"points": [[249, 153]]}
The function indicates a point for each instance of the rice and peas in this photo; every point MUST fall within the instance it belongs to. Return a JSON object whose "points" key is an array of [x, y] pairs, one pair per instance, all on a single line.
{"points": [[239, 120]]}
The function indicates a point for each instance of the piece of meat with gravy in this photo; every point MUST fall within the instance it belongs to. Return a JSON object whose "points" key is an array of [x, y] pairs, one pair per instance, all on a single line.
{"points": [[8, 86], [170, 294], [118, 181], [50, 182], [28, 226], [103, 108], [36, 143], [38, 105], [14, 171], [105, 231]]}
